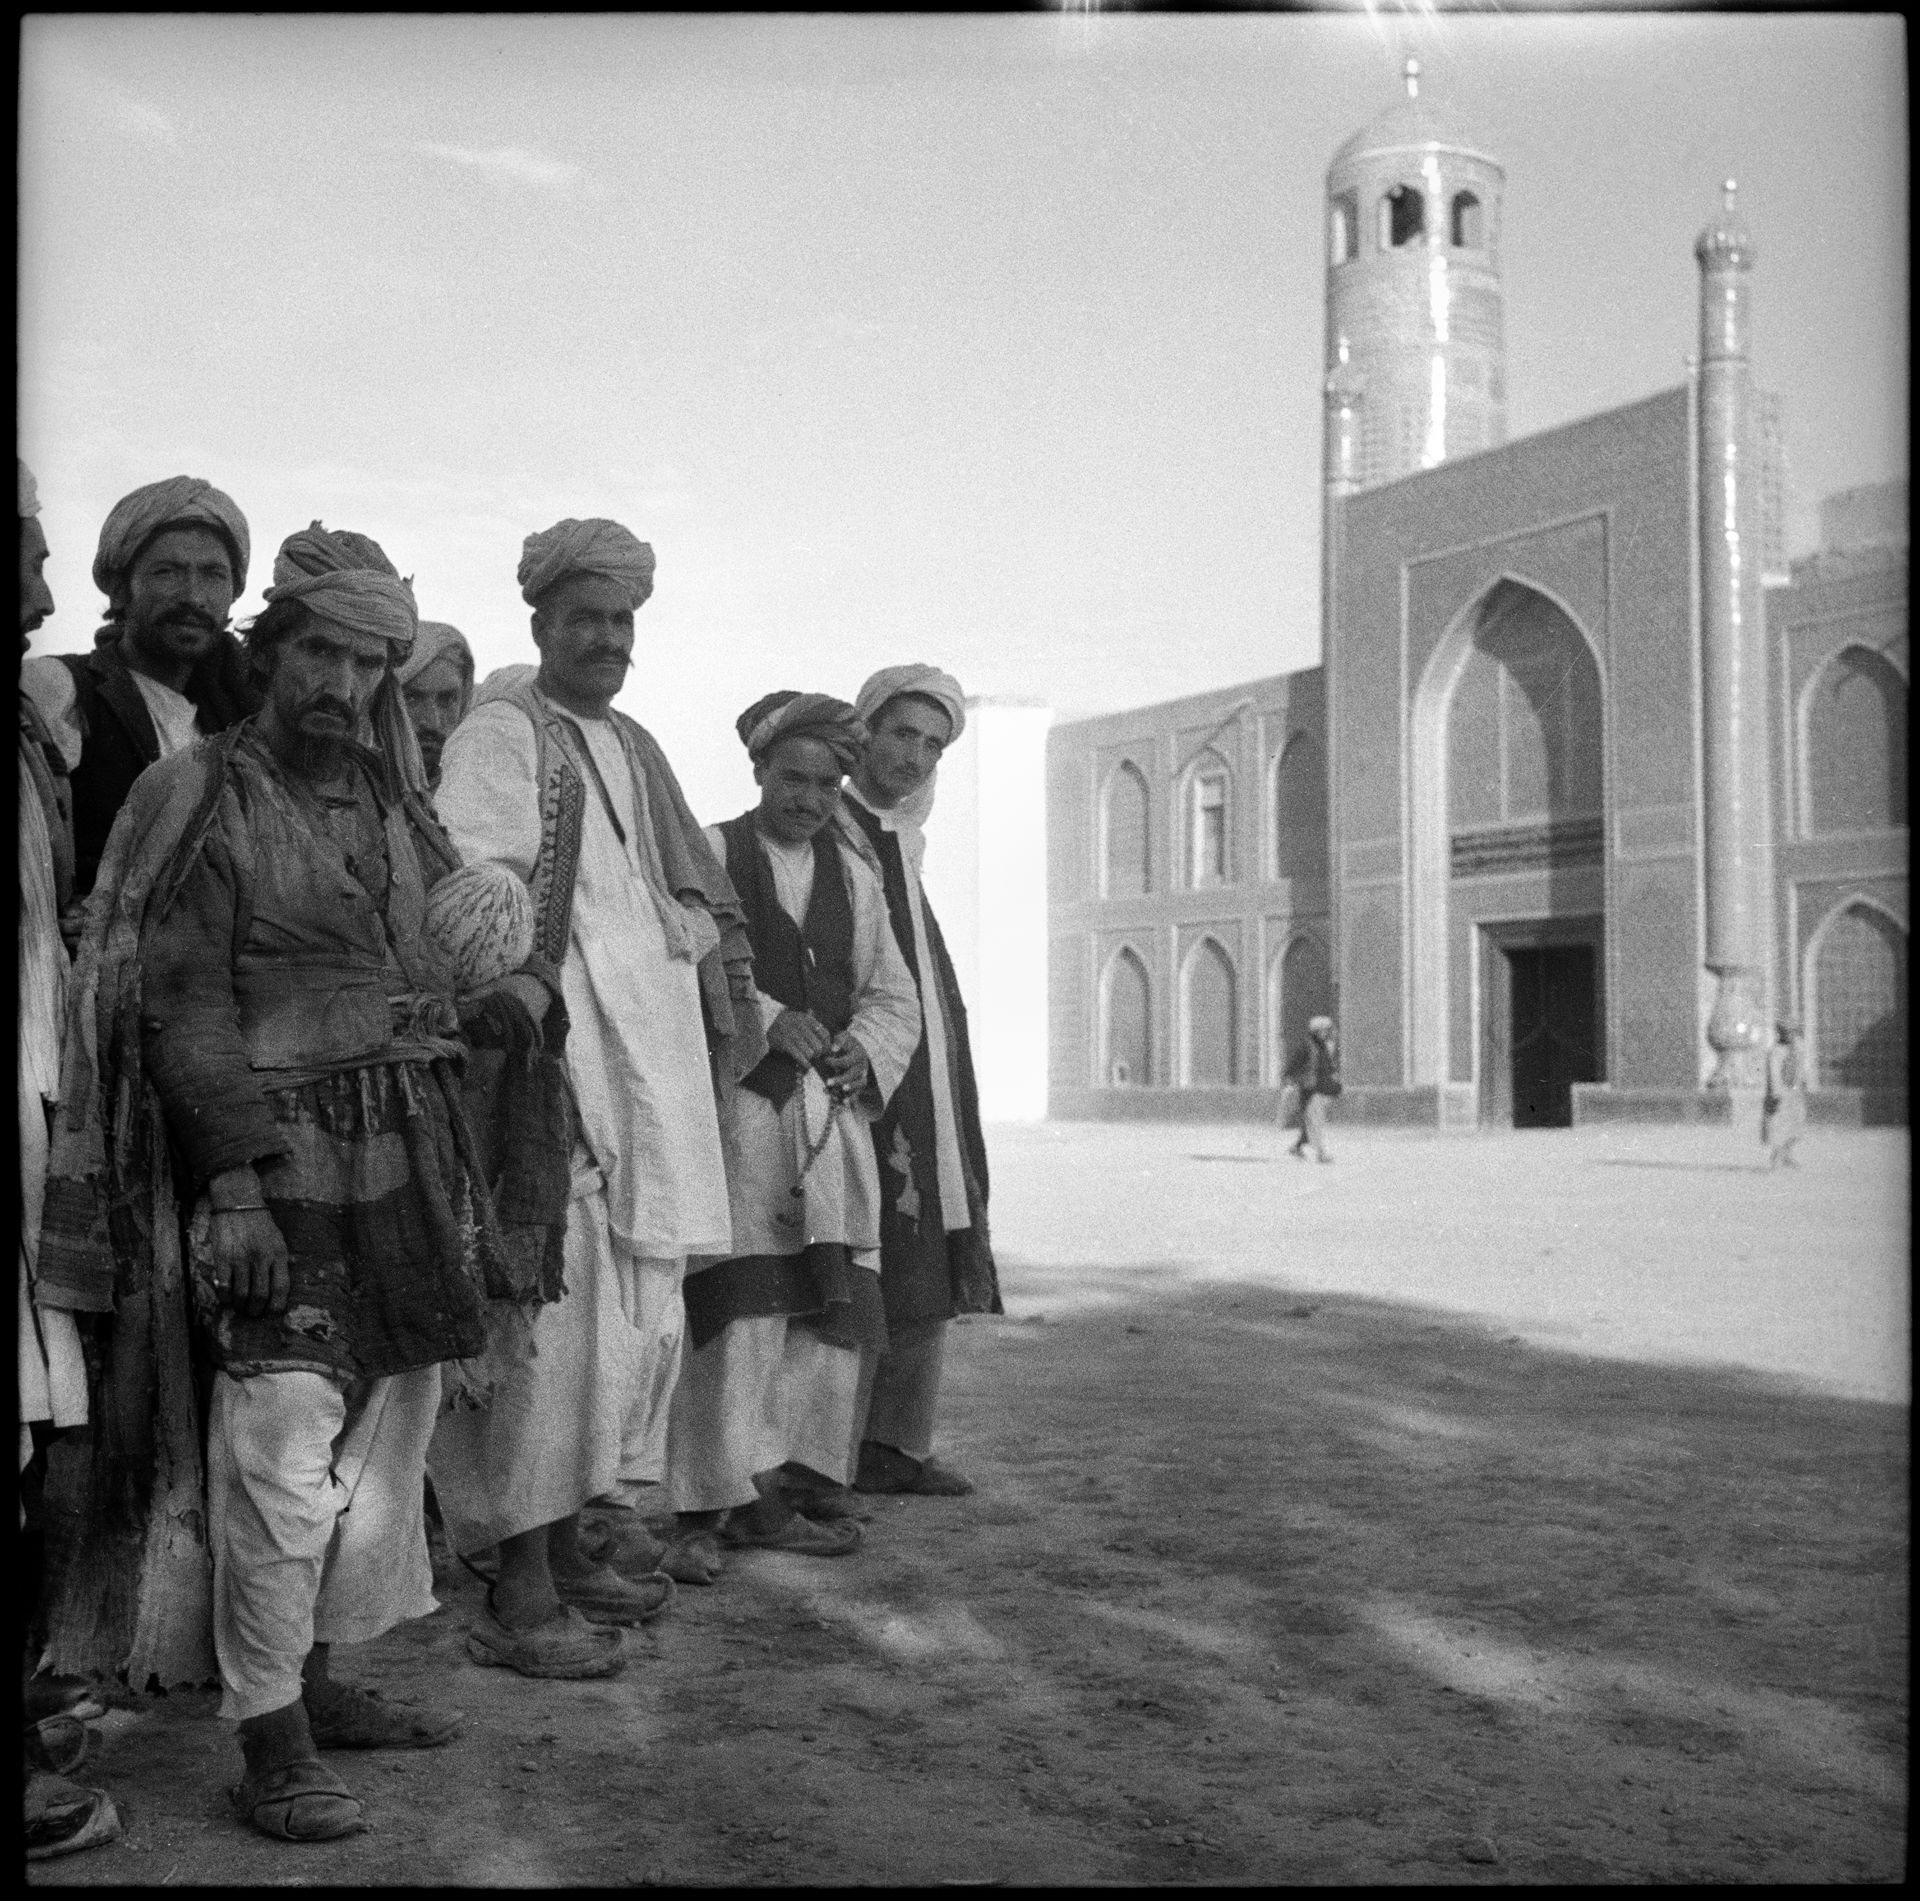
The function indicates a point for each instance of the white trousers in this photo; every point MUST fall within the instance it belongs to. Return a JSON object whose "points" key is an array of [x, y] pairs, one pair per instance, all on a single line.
{"points": [[766, 1390], [314, 1504], [584, 1409]]}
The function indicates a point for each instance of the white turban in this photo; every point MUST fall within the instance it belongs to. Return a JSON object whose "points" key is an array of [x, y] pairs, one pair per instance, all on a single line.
{"points": [[929, 682], [438, 640], [29, 493]]}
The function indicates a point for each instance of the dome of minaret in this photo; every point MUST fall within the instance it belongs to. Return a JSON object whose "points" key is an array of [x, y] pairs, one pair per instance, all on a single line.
{"points": [[1412, 124], [1726, 243]]}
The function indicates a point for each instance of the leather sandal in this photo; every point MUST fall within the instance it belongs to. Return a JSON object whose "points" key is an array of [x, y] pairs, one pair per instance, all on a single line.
{"points": [[797, 1534], [64, 1817], [298, 1802], [605, 1597], [566, 1646], [886, 1469], [694, 1558], [341, 1717]]}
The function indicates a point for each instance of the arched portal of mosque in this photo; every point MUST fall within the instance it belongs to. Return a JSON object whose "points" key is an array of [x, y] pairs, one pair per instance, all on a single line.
{"points": [[1507, 899]]}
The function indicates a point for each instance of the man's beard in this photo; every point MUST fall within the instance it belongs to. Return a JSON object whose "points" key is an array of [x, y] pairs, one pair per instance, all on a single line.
{"points": [[317, 755], [152, 636]]}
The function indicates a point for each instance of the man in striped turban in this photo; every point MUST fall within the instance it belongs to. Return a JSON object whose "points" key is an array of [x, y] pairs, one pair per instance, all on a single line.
{"points": [[164, 670], [436, 681], [936, 1258], [763, 1429], [257, 941]]}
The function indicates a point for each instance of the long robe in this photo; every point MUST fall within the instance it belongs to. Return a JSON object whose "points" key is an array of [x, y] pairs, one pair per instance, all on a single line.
{"points": [[770, 1388]]}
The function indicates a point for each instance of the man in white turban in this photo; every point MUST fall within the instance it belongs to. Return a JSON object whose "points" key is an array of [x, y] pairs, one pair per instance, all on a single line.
{"points": [[631, 904], [164, 670], [936, 1257]]}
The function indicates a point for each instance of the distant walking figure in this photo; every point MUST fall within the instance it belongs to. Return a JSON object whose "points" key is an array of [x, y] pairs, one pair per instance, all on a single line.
{"points": [[1316, 1068], [1783, 1119]]}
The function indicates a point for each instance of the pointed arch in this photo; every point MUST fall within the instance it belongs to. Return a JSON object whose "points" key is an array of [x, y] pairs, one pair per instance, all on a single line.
{"points": [[1854, 981], [1126, 834], [1209, 1016], [1206, 806], [1430, 800], [1853, 744], [1298, 807], [1299, 988], [1126, 1022]]}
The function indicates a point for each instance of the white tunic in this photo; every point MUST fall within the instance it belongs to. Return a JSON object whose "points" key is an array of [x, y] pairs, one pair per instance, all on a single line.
{"points": [[766, 1147], [636, 1048], [47, 682]]}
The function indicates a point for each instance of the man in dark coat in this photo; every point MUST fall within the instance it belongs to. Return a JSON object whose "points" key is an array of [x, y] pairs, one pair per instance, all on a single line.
{"points": [[164, 670], [936, 1259]]}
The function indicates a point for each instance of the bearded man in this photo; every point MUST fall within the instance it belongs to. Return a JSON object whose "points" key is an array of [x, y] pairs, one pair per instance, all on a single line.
{"points": [[763, 1420], [437, 684], [264, 1033], [164, 670], [936, 1258], [655, 968]]}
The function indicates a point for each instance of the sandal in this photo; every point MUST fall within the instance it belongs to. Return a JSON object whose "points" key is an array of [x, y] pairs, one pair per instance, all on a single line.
{"points": [[605, 1597], [298, 1802], [694, 1558], [885, 1469], [58, 1744], [342, 1717], [50, 1695], [797, 1534], [621, 1541], [64, 1817], [566, 1646]]}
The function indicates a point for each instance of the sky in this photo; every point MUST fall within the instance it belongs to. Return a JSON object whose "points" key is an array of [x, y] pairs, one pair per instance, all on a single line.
{"points": [[989, 340]]}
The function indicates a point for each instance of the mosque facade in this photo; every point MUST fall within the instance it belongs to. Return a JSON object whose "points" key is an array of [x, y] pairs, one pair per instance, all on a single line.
{"points": [[1592, 784]]}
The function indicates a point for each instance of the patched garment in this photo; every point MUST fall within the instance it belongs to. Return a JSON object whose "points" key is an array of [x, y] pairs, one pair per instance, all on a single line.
{"points": [[295, 1019]]}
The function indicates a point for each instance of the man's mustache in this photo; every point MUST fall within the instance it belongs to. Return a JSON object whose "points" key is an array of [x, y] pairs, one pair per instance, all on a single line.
{"points": [[620, 654], [339, 709], [189, 616]]}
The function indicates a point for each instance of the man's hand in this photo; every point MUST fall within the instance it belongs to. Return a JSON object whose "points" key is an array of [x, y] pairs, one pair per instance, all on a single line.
{"points": [[249, 1251], [845, 1066], [794, 1033]]}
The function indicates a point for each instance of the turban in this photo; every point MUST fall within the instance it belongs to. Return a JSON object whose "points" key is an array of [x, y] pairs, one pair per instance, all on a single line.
{"points": [[790, 715], [929, 682], [317, 550], [362, 600], [585, 547], [437, 640], [29, 493], [1319, 1024], [182, 501]]}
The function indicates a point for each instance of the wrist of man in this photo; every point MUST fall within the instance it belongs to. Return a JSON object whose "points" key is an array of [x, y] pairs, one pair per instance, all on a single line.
{"points": [[236, 1191]]}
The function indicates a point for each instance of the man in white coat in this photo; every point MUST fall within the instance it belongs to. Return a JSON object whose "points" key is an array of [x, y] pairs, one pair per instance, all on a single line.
{"points": [[765, 1414], [638, 915]]}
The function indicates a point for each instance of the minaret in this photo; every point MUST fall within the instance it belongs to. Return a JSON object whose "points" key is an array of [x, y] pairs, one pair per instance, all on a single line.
{"points": [[1413, 287], [1737, 840]]}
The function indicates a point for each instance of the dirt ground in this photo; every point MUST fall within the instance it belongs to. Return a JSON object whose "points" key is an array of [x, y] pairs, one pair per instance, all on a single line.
{"points": [[1477, 1510]]}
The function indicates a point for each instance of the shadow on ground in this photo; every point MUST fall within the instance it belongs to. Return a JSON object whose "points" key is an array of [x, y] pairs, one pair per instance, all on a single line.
{"points": [[1258, 1586]]}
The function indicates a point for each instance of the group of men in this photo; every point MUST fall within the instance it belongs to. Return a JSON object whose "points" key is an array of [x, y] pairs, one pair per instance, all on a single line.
{"points": [[421, 1110]]}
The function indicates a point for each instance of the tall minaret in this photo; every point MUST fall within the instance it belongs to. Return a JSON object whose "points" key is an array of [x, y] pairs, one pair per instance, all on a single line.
{"points": [[1737, 838], [1413, 288]]}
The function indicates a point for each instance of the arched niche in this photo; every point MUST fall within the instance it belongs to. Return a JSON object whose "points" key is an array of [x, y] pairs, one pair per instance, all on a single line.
{"points": [[1853, 745], [1209, 1017], [1299, 988], [1207, 821], [1855, 983], [1524, 641], [1126, 1022], [1299, 808], [1126, 836]]}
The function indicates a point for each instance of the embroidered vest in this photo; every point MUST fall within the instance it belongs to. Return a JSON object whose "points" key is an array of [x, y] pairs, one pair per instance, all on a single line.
{"points": [[808, 968]]}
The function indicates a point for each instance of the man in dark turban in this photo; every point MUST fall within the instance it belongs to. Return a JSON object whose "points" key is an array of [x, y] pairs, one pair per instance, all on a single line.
{"points": [[436, 681], [164, 670], [763, 1428]]}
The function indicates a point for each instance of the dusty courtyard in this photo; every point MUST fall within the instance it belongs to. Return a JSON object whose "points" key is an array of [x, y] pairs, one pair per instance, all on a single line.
{"points": [[1484, 1509]]}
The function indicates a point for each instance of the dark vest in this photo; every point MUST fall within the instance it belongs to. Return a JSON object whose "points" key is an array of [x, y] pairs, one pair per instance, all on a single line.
{"points": [[118, 742], [807, 969]]}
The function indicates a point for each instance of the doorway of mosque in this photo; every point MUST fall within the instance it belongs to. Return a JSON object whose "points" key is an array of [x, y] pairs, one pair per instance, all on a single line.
{"points": [[1542, 1026]]}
